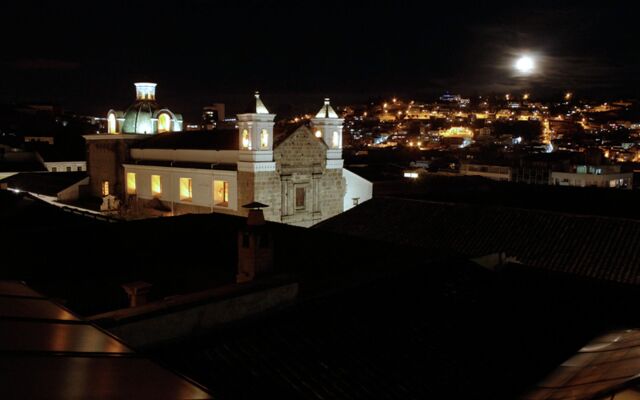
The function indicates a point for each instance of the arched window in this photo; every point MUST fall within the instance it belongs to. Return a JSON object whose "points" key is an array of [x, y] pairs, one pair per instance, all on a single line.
{"points": [[164, 123], [112, 123], [246, 141], [335, 140], [264, 139]]}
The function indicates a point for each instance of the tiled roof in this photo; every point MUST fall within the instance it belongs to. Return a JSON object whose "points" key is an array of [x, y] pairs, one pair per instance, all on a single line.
{"points": [[595, 247], [603, 369], [47, 352]]}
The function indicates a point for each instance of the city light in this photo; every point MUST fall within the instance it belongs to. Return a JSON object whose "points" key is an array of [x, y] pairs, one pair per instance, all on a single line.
{"points": [[412, 175]]}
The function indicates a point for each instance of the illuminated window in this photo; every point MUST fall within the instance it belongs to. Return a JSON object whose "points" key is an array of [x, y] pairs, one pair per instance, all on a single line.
{"points": [[164, 123], [105, 188], [131, 183], [156, 185], [264, 139], [300, 197], [318, 133], [221, 193], [111, 123], [186, 191], [246, 141], [335, 139]]}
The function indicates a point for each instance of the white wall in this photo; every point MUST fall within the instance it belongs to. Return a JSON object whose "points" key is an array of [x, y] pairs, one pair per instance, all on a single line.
{"points": [[357, 187], [207, 156], [201, 184], [61, 166], [72, 192], [7, 174]]}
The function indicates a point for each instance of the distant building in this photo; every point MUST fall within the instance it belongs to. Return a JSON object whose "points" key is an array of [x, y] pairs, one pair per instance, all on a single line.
{"points": [[212, 115], [144, 116], [495, 172], [606, 176], [55, 161]]}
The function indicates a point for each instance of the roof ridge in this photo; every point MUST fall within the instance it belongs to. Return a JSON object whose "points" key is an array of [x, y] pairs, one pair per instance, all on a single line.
{"points": [[496, 207]]}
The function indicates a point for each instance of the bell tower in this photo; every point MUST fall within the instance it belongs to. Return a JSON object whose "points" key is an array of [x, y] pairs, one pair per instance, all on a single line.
{"points": [[255, 127], [258, 180], [328, 126]]}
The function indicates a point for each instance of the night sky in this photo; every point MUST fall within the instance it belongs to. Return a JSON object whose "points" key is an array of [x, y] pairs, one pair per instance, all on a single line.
{"points": [[86, 55]]}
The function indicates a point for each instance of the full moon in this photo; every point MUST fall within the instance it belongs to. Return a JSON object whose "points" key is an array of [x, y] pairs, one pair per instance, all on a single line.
{"points": [[525, 64]]}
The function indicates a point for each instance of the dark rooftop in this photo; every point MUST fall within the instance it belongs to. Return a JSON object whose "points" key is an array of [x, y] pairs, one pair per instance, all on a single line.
{"points": [[24, 166], [591, 246], [186, 164], [47, 352], [52, 153], [216, 139], [46, 183], [606, 368]]}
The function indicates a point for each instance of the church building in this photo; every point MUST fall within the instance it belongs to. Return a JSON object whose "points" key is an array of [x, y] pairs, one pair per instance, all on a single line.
{"points": [[299, 175]]}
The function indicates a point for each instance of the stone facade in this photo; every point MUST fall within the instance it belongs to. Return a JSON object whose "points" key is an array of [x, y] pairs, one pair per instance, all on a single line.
{"points": [[309, 191]]}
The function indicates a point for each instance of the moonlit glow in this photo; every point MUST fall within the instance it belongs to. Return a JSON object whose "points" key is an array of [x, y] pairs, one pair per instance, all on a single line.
{"points": [[525, 64]]}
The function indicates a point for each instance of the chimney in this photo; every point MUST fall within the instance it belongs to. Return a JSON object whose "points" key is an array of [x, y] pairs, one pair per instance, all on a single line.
{"points": [[137, 292], [255, 245]]}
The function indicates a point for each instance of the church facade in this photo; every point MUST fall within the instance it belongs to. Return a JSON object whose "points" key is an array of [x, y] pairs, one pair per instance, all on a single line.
{"points": [[300, 175]]}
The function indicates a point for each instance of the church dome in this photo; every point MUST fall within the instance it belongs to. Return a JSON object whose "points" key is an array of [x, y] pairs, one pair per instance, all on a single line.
{"points": [[139, 117], [145, 116]]}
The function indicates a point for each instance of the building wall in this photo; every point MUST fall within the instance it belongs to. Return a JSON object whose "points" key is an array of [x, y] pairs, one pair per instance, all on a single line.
{"points": [[66, 166], [202, 181], [72, 193], [151, 327], [106, 155], [301, 163], [263, 187], [359, 190]]}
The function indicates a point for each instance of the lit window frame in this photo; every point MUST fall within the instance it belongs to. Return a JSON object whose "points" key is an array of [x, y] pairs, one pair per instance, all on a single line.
{"points": [[335, 139], [246, 139], [156, 185], [264, 139], [104, 187], [162, 118], [186, 189], [220, 200], [131, 183]]}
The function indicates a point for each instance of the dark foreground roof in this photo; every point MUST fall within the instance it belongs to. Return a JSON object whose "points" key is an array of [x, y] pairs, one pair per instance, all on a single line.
{"points": [[47, 352], [9, 166], [596, 247], [603, 369], [47, 183], [217, 139]]}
